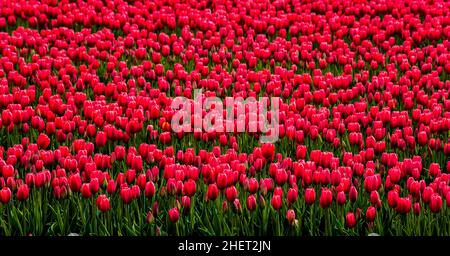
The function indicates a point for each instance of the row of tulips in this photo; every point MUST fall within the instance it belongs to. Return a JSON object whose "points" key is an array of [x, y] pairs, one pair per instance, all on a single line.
{"points": [[305, 191]]}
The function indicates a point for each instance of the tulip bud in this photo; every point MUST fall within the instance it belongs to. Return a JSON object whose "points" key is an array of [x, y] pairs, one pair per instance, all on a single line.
{"points": [[186, 203], [75, 182], [251, 203], [435, 203], [5, 195], [276, 202], [237, 205], [416, 208], [371, 214], [292, 195], [341, 198], [213, 192], [111, 187], [350, 220], [43, 141], [268, 150], [326, 198], [290, 216], [85, 190], [174, 215], [150, 217], [310, 196], [103, 203], [22, 192], [231, 193], [353, 194]]}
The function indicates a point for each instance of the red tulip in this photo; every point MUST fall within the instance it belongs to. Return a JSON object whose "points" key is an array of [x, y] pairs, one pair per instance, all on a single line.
{"points": [[174, 215], [350, 220], [213, 192], [353, 194], [7, 171], [186, 203], [326, 198], [371, 214], [130, 176], [5, 195], [222, 180], [150, 189], [268, 150], [100, 139], [292, 195], [141, 181], [237, 205], [22, 192], [395, 175], [301, 152], [189, 188], [434, 170], [416, 208], [426, 194], [75, 182], [375, 198], [251, 203], [111, 187], [281, 177], [341, 198], [94, 185], [253, 185], [422, 138], [43, 141], [403, 205], [290, 216], [85, 190], [135, 191], [120, 153], [126, 194], [310, 196], [392, 198], [276, 202], [435, 203], [103, 203], [231, 193], [29, 179], [335, 178]]}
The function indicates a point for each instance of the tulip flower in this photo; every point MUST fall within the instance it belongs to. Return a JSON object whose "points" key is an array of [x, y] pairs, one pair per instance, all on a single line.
{"points": [[43, 141], [85, 190], [292, 195], [370, 214], [341, 199], [276, 202], [435, 203], [213, 192], [5, 195], [251, 203], [231, 193], [290, 216], [326, 198], [174, 215], [310, 196], [75, 182], [268, 150], [350, 220]]}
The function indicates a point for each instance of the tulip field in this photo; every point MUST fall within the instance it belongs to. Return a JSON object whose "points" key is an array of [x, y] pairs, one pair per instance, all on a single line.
{"points": [[88, 138]]}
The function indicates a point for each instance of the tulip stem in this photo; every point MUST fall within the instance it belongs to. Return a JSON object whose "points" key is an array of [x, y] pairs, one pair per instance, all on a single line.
{"points": [[328, 222]]}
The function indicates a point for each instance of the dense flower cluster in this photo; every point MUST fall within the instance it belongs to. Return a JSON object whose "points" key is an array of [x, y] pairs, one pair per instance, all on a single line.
{"points": [[364, 119]]}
